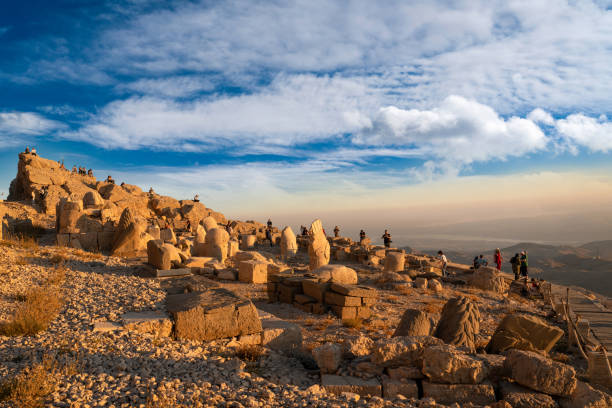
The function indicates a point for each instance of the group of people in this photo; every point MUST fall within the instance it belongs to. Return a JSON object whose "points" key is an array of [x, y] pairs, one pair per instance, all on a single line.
{"points": [[28, 151], [81, 171], [519, 263]]}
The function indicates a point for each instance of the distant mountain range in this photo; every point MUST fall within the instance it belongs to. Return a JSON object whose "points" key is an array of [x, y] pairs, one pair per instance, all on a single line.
{"points": [[588, 266]]}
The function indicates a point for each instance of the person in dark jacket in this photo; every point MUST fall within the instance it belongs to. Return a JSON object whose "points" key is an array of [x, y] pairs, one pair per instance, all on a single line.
{"points": [[387, 239], [515, 261], [524, 265]]}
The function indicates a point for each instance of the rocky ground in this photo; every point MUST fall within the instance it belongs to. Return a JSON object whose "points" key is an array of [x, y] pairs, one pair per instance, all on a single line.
{"points": [[124, 368]]}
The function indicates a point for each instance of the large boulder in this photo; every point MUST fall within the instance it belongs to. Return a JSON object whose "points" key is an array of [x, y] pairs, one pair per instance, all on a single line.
{"points": [[212, 314], [358, 346], [288, 244], [539, 373], [585, 396], [459, 323], [336, 274], [402, 351], [414, 322], [209, 223], [445, 364], [524, 332], [162, 205], [520, 397], [93, 199], [200, 235], [318, 247], [113, 192], [130, 238], [68, 214], [217, 243], [447, 394], [193, 211], [161, 255], [487, 278], [328, 357], [394, 262]]}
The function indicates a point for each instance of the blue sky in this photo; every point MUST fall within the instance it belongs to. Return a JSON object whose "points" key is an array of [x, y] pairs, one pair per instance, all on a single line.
{"points": [[244, 100]]}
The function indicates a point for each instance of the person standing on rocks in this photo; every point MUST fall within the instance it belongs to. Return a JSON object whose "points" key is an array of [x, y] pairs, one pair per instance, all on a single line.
{"points": [[515, 261], [387, 239], [304, 231], [524, 264], [482, 261], [498, 259], [336, 231], [269, 232], [444, 261], [196, 198], [362, 236]]}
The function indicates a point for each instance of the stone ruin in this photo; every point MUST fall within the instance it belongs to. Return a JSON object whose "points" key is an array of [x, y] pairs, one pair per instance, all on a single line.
{"points": [[426, 356]]}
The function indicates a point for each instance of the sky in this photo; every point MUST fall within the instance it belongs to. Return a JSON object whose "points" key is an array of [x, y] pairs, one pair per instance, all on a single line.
{"points": [[395, 114]]}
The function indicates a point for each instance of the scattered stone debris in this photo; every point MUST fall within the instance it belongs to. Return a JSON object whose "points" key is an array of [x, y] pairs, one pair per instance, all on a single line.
{"points": [[194, 310]]}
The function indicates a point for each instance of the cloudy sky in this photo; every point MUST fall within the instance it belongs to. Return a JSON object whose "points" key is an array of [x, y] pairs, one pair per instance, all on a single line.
{"points": [[430, 111]]}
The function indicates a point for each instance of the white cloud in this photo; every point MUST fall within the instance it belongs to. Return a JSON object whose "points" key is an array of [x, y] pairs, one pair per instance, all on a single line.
{"points": [[173, 87], [456, 133], [25, 123], [292, 110], [541, 116], [580, 130], [507, 54], [17, 127]]}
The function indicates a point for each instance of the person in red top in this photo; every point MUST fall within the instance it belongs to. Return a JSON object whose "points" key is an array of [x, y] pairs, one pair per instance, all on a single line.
{"points": [[498, 259]]}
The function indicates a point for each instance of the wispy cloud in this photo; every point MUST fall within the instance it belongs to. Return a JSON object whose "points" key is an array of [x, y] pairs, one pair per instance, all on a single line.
{"points": [[173, 87], [15, 127], [510, 55], [292, 110]]}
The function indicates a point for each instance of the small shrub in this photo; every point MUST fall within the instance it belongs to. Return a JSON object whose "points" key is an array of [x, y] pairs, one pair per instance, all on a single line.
{"points": [[31, 387], [57, 276], [352, 323], [58, 259], [249, 352], [25, 242], [40, 306]]}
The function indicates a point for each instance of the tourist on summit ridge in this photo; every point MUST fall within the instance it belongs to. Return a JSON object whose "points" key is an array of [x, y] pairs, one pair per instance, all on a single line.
{"points": [[516, 264], [269, 233], [444, 261], [269, 223], [482, 261], [362, 236], [336, 231], [387, 239], [498, 259], [524, 265]]}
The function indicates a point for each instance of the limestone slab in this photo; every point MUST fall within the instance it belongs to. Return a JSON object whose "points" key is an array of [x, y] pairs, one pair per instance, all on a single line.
{"points": [[336, 384], [163, 273]]}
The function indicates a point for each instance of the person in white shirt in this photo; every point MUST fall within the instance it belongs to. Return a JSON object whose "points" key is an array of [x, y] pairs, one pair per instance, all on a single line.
{"points": [[444, 262]]}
